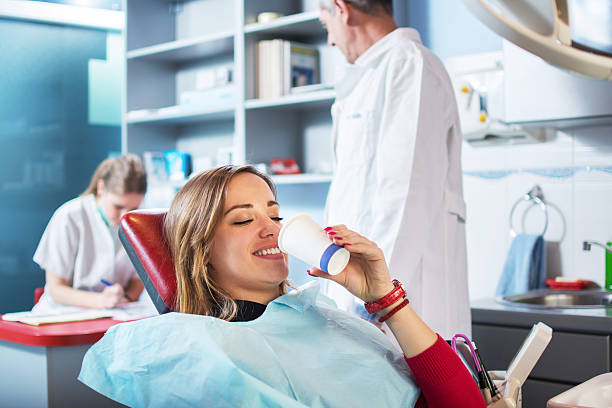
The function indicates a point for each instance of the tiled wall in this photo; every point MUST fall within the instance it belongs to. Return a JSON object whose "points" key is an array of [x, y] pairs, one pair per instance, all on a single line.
{"points": [[575, 173]]}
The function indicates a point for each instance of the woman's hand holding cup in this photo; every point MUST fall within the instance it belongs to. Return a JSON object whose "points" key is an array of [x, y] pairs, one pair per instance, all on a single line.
{"points": [[367, 274]]}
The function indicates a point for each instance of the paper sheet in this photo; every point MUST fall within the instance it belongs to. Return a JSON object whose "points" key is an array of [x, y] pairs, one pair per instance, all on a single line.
{"points": [[130, 311]]}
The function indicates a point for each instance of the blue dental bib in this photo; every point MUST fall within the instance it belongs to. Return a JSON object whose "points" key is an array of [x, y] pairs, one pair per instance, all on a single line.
{"points": [[302, 352]]}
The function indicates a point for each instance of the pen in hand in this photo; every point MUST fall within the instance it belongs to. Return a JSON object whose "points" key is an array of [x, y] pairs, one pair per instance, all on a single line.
{"points": [[107, 283]]}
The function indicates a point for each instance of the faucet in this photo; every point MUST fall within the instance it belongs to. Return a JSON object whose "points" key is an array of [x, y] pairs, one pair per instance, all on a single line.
{"points": [[586, 246]]}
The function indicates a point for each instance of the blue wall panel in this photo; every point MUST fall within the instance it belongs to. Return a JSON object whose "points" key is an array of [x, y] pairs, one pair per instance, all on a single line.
{"points": [[49, 148]]}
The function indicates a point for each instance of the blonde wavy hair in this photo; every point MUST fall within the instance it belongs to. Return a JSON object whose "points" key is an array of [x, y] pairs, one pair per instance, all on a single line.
{"points": [[189, 230], [121, 175]]}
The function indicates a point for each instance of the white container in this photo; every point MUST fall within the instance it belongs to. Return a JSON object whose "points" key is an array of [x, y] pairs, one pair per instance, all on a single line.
{"points": [[303, 238]]}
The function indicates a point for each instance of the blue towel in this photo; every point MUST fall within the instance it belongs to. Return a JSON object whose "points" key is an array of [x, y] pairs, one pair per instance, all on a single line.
{"points": [[525, 267]]}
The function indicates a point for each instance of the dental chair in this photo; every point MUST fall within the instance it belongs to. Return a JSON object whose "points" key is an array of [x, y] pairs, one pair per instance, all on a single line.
{"points": [[141, 233]]}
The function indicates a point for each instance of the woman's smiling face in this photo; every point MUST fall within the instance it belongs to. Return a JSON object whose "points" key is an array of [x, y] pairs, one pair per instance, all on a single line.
{"points": [[245, 258]]}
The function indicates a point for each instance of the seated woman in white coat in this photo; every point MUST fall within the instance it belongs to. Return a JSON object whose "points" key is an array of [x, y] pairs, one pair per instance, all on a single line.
{"points": [[84, 262]]}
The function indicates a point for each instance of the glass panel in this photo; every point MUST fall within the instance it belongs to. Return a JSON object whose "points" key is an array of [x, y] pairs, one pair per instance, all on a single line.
{"points": [[60, 115]]}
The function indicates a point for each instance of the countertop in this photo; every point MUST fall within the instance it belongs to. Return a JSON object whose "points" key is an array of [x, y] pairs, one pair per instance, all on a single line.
{"points": [[589, 320], [55, 334]]}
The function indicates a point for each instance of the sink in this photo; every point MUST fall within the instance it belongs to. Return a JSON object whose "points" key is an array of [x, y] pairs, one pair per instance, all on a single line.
{"points": [[554, 299]]}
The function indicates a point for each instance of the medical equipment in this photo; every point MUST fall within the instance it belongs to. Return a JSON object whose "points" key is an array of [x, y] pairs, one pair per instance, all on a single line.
{"points": [[509, 393], [568, 33], [488, 389], [596, 392], [478, 84]]}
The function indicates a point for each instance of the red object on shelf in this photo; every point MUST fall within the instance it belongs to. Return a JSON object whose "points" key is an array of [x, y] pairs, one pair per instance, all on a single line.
{"points": [[568, 285], [284, 166]]}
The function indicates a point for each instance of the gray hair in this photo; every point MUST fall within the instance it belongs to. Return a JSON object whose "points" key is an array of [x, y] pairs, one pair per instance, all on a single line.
{"points": [[371, 7]]}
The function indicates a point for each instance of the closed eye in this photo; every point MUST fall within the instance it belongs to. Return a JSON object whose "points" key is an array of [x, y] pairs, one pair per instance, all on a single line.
{"points": [[277, 219]]}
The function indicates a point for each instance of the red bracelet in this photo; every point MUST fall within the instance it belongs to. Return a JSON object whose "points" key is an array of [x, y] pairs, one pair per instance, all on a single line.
{"points": [[387, 300], [394, 311]]}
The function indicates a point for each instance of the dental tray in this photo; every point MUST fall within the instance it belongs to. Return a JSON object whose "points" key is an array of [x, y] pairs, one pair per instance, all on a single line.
{"points": [[563, 284]]}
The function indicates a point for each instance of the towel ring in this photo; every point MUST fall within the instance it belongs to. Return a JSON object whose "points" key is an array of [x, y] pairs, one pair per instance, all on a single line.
{"points": [[536, 197]]}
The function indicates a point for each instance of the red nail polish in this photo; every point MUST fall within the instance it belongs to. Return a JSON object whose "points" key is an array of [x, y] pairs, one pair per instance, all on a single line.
{"points": [[337, 237], [331, 233], [347, 244], [326, 229], [308, 272]]}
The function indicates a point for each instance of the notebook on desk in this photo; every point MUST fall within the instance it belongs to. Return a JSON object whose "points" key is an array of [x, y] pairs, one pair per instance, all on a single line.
{"points": [[35, 319], [131, 311]]}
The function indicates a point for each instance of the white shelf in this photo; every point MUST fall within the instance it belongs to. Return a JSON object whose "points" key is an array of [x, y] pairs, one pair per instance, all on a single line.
{"points": [[182, 115], [315, 99], [301, 178], [187, 49], [303, 24]]}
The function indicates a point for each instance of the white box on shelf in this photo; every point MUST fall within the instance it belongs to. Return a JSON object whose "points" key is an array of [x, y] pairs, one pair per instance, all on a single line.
{"points": [[204, 79], [213, 97], [223, 76], [213, 77]]}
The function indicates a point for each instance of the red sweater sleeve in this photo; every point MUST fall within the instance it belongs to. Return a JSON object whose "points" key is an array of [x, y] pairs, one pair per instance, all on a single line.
{"points": [[443, 378]]}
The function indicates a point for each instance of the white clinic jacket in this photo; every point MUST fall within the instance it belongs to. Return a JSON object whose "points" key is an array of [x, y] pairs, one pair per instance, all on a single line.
{"points": [[397, 175], [78, 246]]}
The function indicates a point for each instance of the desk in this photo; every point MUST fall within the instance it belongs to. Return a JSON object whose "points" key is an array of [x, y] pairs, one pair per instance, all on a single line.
{"points": [[39, 365]]}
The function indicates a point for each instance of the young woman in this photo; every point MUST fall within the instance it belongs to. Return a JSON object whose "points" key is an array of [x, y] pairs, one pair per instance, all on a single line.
{"points": [[222, 229], [295, 350], [84, 262]]}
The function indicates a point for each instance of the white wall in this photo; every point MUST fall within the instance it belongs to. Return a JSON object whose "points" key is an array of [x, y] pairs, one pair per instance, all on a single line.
{"points": [[575, 173], [583, 197]]}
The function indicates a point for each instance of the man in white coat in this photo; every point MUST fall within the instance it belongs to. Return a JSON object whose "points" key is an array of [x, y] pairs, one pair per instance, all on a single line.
{"points": [[397, 160]]}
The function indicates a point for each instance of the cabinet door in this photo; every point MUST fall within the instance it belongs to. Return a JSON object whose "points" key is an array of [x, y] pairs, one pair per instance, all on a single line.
{"points": [[571, 358], [536, 393]]}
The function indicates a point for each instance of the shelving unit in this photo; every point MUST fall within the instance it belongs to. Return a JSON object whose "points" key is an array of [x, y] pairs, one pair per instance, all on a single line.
{"points": [[169, 42]]}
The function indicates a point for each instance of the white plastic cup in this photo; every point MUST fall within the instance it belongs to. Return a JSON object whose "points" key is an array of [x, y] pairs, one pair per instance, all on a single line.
{"points": [[307, 241]]}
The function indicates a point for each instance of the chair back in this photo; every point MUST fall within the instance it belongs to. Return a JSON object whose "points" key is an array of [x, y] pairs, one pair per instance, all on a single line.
{"points": [[141, 233]]}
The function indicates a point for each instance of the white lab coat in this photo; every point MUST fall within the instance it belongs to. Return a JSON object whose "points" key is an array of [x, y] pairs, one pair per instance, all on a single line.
{"points": [[397, 175], [78, 246]]}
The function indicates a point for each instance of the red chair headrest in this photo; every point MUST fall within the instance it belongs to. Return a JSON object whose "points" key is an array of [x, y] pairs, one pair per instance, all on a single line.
{"points": [[141, 234]]}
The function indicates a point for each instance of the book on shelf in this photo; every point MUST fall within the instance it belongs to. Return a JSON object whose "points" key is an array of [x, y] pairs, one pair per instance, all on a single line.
{"points": [[282, 66]]}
